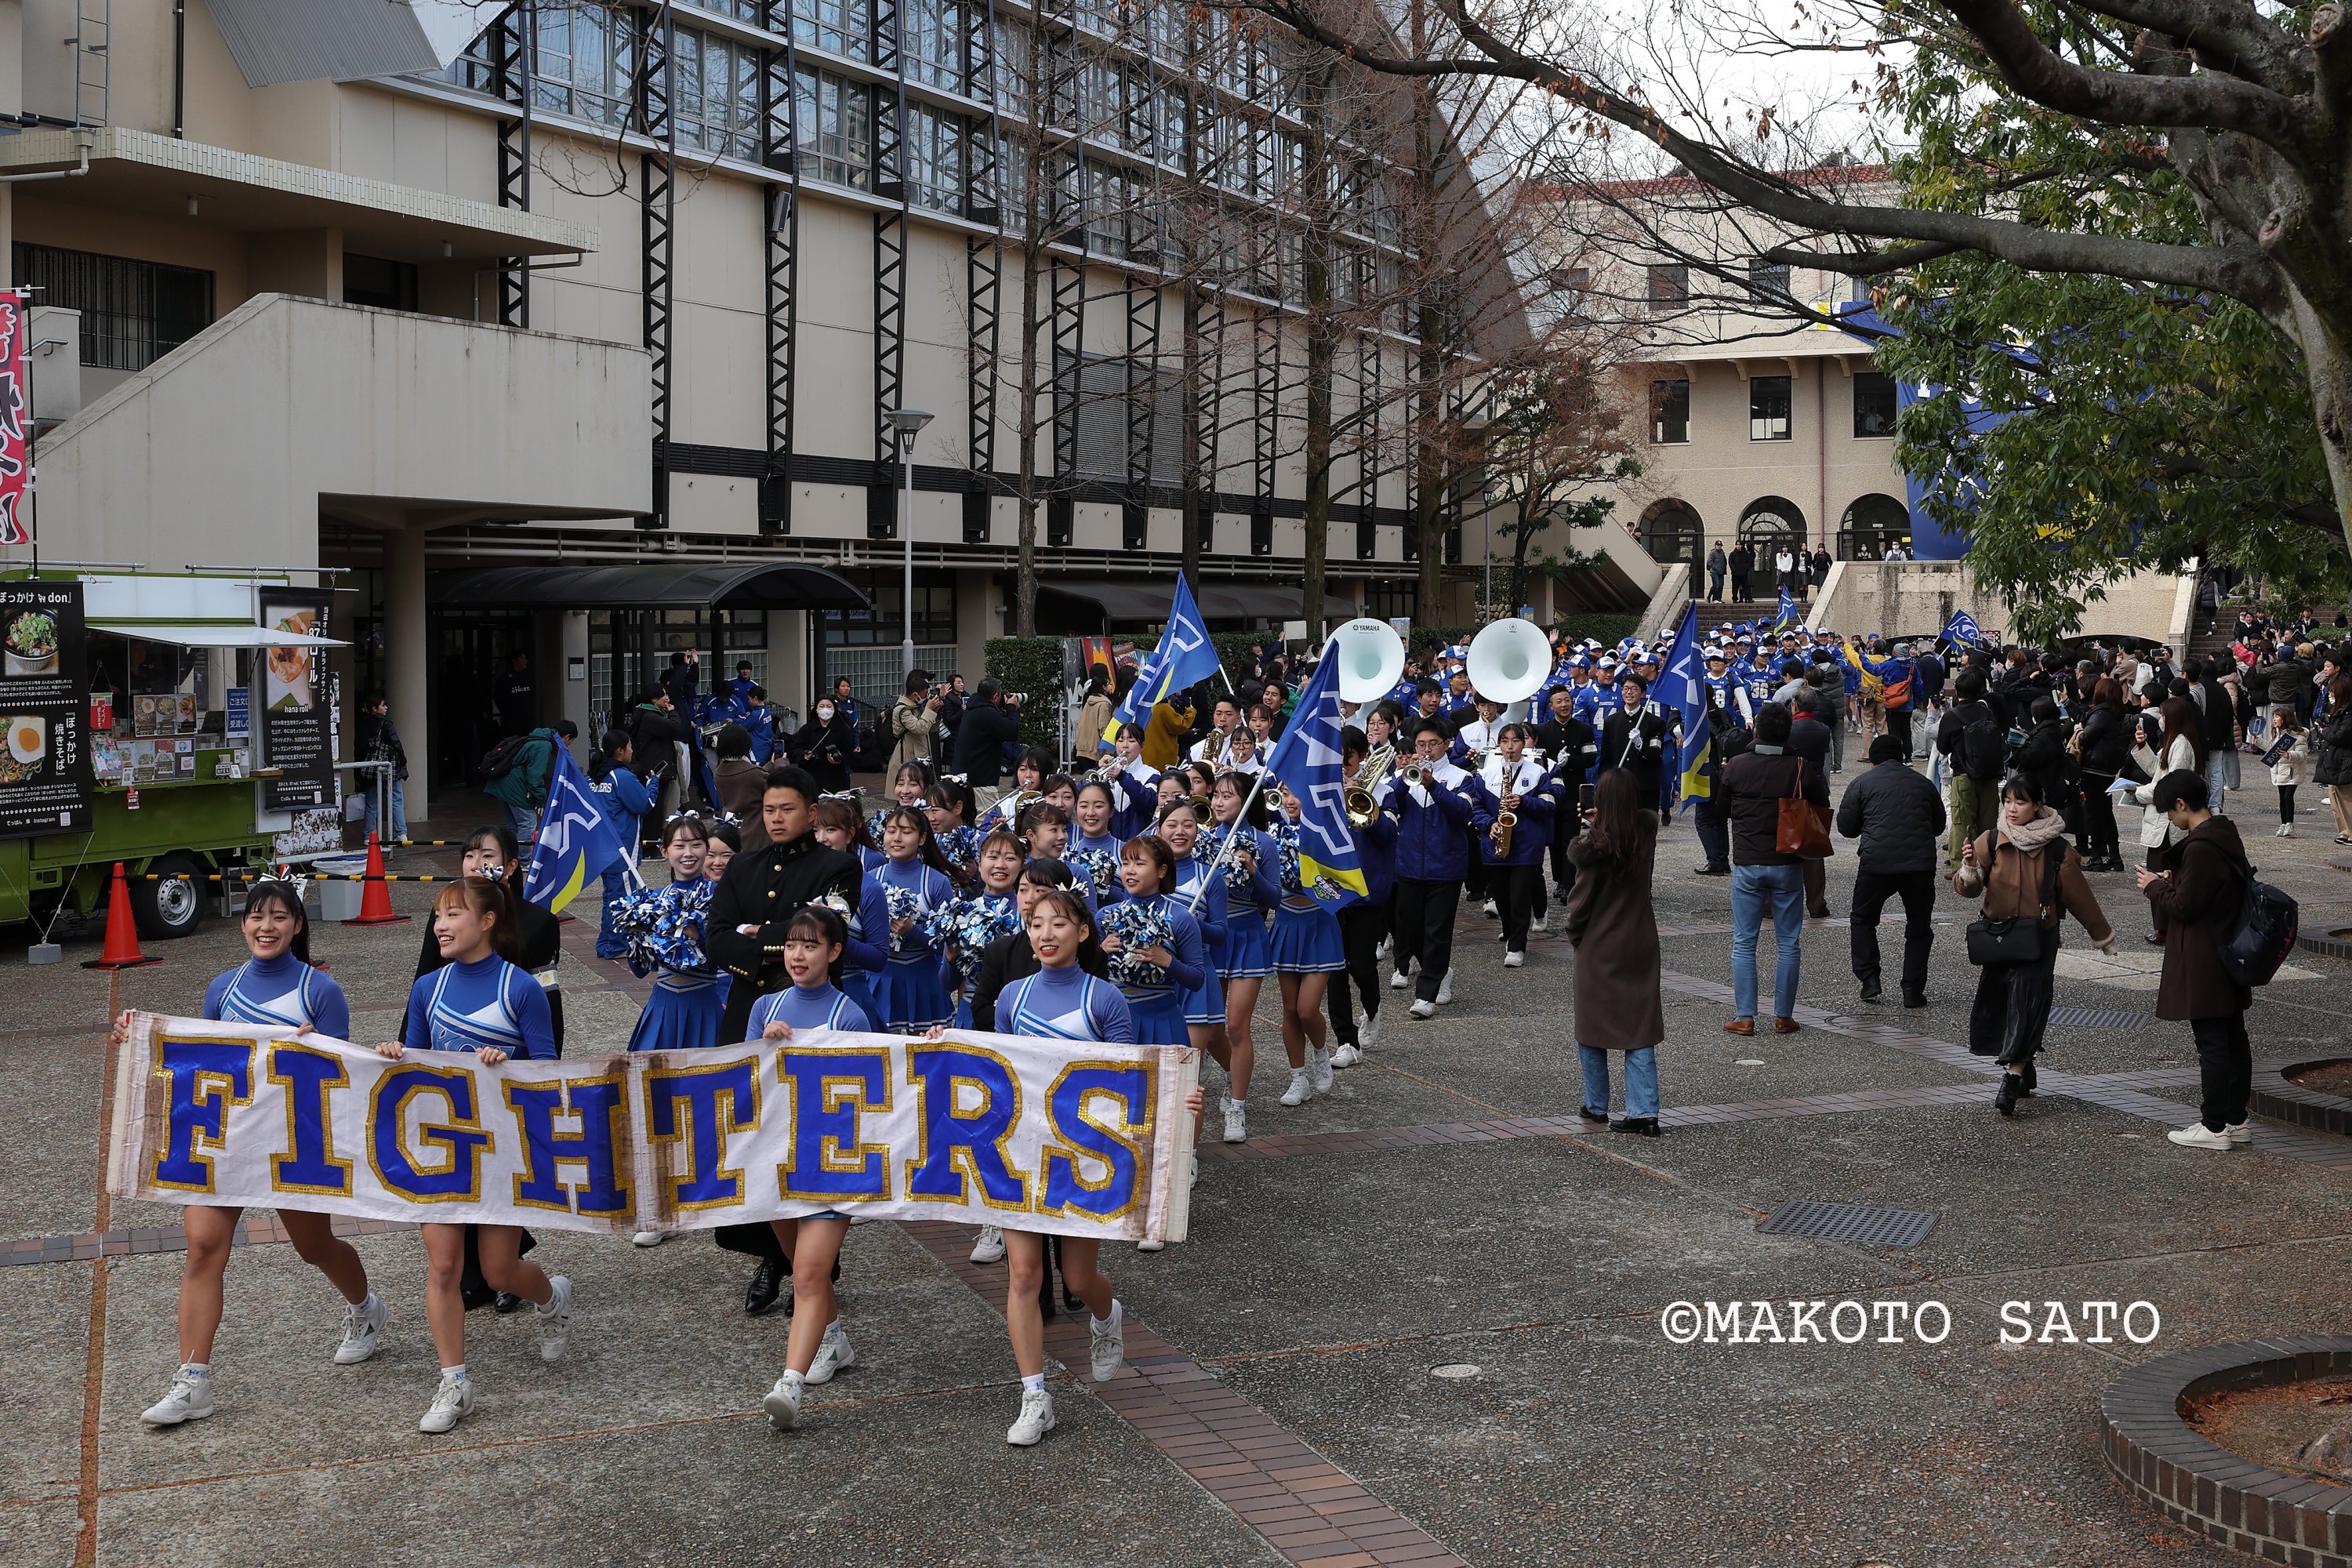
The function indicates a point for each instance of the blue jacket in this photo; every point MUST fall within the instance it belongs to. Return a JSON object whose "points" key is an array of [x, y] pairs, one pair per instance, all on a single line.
{"points": [[626, 800], [1531, 836], [1430, 843], [1376, 852]]}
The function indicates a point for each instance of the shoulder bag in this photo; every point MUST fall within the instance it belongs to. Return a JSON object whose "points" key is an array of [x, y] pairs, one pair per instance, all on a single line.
{"points": [[1803, 829], [2016, 939]]}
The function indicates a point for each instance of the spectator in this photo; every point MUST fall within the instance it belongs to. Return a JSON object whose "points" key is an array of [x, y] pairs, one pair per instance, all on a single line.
{"points": [[1614, 929], [1900, 819], [952, 703], [1822, 565], [1971, 733], [991, 728], [2332, 755], [1762, 876], [2037, 879], [659, 746], [741, 784], [2293, 764], [1716, 564], [2204, 884], [2100, 747], [1809, 738], [515, 696], [825, 744], [914, 723], [378, 741], [1743, 568], [521, 787], [1094, 717], [2046, 757], [2179, 745]]}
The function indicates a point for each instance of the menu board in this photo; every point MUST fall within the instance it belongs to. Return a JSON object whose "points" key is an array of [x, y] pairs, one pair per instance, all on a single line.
{"points": [[295, 705], [45, 780]]}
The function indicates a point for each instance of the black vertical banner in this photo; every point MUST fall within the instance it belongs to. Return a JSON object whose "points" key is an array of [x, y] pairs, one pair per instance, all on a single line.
{"points": [[296, 738], [45, 780]]}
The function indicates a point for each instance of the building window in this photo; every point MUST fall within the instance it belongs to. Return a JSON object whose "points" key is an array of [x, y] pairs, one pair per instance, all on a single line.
{"points": [[718, 104], [934, 141], [1874, 405], [1872, 526], [373, 280], [935, 32], [1767, 408], [751, 11], [844, 26], [1391, 598], [1769, 281], [1669, 287], [133, 312], [1669, 412], [587, 55], [836, 129]]}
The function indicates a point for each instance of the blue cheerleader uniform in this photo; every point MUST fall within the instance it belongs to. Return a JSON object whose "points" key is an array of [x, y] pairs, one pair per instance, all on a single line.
{"points": [[1245, 955], [688, 996], [1065, 1004], [810, 1007], [1205, 1003], [1157, 1004], [281, 992], [908, 990], [1305, 939], [490, 1001], [862, 961], [1097, 860], [971, 924]]}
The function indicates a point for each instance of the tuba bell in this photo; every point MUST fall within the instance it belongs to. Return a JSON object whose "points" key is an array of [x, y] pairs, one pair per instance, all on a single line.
{"points": [[1371, 657], [1509, 661]]}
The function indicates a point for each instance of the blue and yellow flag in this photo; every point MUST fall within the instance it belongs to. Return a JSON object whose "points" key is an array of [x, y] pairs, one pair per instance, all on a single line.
{"points": [[1185, 655], [576, 840], [1788, 616], [1307, 760], [1681, 686], [1962, 630]]}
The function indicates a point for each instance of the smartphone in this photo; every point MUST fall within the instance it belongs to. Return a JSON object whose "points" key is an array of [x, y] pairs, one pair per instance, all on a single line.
{"points": [[1584, 797]]}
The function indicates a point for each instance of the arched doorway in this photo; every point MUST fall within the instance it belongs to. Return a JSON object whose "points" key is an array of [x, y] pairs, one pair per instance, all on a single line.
{"points": [[1873, 525], [1672, 532], [1769, 525]]}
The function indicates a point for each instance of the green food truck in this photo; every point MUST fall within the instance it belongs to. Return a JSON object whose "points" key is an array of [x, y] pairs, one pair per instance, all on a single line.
{"points": [[183, 725]]}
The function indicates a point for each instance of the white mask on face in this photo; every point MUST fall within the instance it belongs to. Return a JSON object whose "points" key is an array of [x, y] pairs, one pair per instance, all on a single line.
{"points": [[825, 712]]}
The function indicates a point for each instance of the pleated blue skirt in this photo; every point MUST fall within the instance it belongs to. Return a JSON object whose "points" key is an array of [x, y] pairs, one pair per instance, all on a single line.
{"points": [[1307, 941], [682, 1014], [1160, 1018], [1245, 955], [909, 995]]}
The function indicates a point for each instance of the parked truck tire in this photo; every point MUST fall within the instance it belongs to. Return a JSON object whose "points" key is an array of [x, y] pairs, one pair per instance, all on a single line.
{"points": [[169, 900]]}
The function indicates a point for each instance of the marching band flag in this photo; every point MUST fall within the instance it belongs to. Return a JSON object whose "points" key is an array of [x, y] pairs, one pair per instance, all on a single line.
{"points": [[1963, 628], [576, 841], [1185, 655], [1307, 760], [1788, 616], [1681, 686]]}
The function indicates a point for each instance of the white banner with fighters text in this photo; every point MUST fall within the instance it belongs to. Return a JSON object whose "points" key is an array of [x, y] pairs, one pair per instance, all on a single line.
{"points": [[1043, 1135]]}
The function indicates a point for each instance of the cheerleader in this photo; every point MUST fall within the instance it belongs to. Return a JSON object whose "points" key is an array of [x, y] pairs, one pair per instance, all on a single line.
{"points": [[492, 854], [1157, 963], [1175, 784], [906, 888], [1093, 849], [837, 828], [910, 785], [817, 1346], [277, 988], [665, 941], [949, 810], [1515, 880], [1306, 951], [479, 1001], [1063, 1002], [1245, 959], [965, 927], [1201, 896], [1045, 830]]}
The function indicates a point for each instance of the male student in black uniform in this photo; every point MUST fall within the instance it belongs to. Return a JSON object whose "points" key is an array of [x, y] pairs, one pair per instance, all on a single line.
{"points": [[1633, 736], [1569, 749]]}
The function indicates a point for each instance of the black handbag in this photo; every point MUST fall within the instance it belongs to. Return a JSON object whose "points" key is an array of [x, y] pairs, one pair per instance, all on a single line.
{"points": [[2017, 940]]}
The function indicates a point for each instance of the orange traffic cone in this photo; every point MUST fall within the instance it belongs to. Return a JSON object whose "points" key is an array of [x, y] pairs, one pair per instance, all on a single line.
{"points": [[375, 900], [122, 931]]}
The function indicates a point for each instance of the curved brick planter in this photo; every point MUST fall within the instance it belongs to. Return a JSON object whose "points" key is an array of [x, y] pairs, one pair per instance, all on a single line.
{"points": [[2266, 1512], [2277, 1096], [2327, 944]]}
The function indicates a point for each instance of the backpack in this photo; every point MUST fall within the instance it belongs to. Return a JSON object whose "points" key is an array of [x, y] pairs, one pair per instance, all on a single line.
{"points": [[505, 757], [1982, 741], [2254, 941]]}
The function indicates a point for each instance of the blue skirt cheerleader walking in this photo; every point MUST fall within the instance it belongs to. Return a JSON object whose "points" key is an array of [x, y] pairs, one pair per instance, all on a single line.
{"points": [[1157, 997], [908, 995], [1204, 1003], [682, 1014], [664, 926], [1306, 940]]}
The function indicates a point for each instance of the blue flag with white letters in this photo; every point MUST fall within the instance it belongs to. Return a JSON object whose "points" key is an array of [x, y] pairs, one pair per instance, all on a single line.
{"points": [[1788, 617], [1682, 688], [1185, 655], [1307, 760], [576, 840], [1963, 628]]}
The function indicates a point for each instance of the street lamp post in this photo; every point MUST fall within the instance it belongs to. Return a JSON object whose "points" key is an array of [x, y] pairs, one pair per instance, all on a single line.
{"points": [[908, 421]]}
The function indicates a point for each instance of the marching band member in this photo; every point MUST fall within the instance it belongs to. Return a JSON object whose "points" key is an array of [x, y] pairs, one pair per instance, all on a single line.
{"points": [[817, 1347], [1222, 719], [1136, 782], [483, 1003], [1473, 749], [1574, 750], [1028, 783], [1432, 810], [1364, 924], [908, 886], [1242, 754], [1305, 948], [1244, 960], [1153, 942], [277, 987], [1634, 738], [1521, 785]]}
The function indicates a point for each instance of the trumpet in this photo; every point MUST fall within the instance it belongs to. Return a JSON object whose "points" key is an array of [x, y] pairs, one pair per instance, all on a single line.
{"points": [[1363, 804], [1012, 804], [1412, 772]]}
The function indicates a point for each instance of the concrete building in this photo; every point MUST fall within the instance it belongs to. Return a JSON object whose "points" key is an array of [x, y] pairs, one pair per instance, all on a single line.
{"points": [[465, 307]]}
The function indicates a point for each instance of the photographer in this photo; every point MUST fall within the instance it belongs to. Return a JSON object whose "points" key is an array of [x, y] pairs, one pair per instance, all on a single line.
{"points": [[825, 744], [991, 726], [914, 722]]}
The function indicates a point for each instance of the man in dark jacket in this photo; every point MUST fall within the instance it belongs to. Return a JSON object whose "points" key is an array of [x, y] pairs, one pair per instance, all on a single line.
{"points": [[1743, 566], [1808, 737], [1570, 749], [1975, 763], [1762, 877], [1633, 736], [522, 787], [515, 696], [2285, 681], [990, 725], [2202, 889], [1435, 816], [1900, 819]]}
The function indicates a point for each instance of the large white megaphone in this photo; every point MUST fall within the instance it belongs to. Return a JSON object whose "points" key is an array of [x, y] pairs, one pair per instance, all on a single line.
{"points": [[1370, 656], [1509, 661]]}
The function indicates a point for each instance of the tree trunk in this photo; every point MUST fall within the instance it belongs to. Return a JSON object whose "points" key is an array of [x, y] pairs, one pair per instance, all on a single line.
{"points": [[2328, 361], [1519, 588]]}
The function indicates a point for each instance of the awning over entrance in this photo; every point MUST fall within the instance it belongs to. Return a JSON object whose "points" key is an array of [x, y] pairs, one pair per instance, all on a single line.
{"points": [[1133, 599], [733, 585]]}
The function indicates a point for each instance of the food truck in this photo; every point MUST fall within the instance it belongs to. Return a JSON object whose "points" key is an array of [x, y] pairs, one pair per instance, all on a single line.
{"points": [[183, 724]]}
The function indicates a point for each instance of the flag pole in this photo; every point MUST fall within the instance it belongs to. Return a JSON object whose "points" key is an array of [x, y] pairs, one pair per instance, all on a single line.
{"points": [[1241, 818]]}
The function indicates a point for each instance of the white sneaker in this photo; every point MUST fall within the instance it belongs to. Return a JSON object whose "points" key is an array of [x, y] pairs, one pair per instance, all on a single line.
{"points": [[2239, 1135], [1445, 988], [1370, 1036], [989, 1247], [555, 1321], [1421, 1009], [1490, 911], [453, 1399], [784, 1402], [1037, 1419], [1107, 1342], [189, 1398], [1150, 1245], [1299, 1091], [1345, 1056], [649, 1238], [1514, 960], [1386, 944], [2195, 1136], [1400, 981], [1236, 1122], [1318, 1068], [2287, 830], [832, 1353], [1540, 926], [364, 1327]]}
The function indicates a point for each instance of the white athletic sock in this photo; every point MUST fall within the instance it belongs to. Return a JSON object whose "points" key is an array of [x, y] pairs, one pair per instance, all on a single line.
{"points": [[834, 1327], [1032, 1382], [797, 1377], [1117, 1315], [368, 1303], [457, 1372], [197, 1368]]}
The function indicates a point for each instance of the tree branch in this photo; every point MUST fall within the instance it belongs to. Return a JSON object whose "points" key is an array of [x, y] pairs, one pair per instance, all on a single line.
{"points": [[2234, 37]]}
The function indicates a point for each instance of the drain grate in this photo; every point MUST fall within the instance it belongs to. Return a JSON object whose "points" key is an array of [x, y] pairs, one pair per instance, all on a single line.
{"points": [[2099, 1019], [1848, 1222]]}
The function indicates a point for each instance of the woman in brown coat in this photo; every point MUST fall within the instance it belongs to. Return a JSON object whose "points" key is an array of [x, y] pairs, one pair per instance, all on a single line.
{"points": [[1614, 929], [741, 781], [2023, 870], [2204, 884]]}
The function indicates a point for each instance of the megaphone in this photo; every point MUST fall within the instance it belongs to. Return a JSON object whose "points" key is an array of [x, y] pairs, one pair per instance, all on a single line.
{"points": [[1509, 661], [1370, 656]]}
